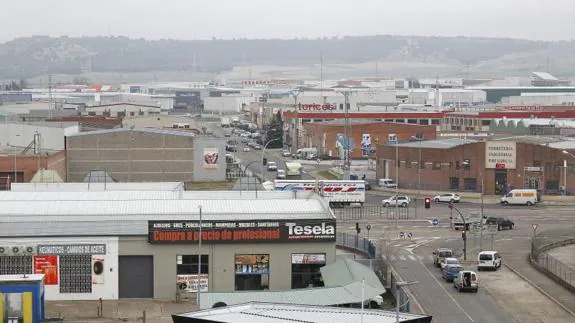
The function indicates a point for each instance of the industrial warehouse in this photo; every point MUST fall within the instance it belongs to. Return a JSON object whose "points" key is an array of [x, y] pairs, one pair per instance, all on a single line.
{"points": [[124, 243]]}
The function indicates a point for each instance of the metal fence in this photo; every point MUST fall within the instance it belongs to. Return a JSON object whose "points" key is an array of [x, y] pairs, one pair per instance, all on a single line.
{"points": [[561, 270], [355, 242], [541, 244], [373, 211]]}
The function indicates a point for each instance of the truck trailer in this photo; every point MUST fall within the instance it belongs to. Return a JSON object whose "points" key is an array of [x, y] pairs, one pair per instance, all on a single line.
{"points": [[339, 193]]}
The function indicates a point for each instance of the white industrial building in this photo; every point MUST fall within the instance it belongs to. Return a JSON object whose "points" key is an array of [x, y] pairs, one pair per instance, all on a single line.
{"points": [[112, 242], [227, 104], [40, 136], [122, 110], [540, 99]]}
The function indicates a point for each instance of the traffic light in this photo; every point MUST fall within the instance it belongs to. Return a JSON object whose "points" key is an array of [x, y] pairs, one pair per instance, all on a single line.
{"points": [[464, 235], [265, 161], [427, 202], [357, 228]]}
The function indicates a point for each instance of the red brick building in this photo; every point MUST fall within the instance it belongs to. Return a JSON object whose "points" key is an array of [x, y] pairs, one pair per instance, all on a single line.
{"points": [[324, 135], [460, 165], [27, 166]]}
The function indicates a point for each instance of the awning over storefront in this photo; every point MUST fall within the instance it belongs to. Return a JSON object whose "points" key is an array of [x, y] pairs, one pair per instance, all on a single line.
{"points": [[344, 280]]}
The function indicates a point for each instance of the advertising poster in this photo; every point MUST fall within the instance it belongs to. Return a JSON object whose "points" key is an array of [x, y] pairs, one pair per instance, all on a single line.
{"points": [[365, 144], [172, 232], [308, 258], [252, 264], [189, 283], [211, 157], [47, 265], [342, 144], [98, 270]]}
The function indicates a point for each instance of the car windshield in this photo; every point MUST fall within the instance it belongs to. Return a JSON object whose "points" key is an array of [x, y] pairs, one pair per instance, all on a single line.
{"points": [[445, 254], [454, 269], [485, 257], [451, 261]]}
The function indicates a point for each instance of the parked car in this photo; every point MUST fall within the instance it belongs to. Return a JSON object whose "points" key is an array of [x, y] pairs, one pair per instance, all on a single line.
{"points": [[441, 253], [488, 260], [448, 261], [257, 147], [449, 272], [402, 201], [286, 153], [521, 197], [466, 280], [387, 183], [272, 166], [281, 174], [247, 149], [447, 198], [501, 222]]}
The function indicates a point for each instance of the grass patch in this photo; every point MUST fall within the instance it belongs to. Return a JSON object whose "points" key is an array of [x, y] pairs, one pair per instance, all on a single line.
{"points": [[326, 174], [209, 186]]}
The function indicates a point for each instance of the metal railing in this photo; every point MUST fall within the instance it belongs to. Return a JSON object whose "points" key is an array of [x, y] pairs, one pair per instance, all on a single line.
{"points": [[357, 243], [543, 261], [562, 271], [374, 211]]}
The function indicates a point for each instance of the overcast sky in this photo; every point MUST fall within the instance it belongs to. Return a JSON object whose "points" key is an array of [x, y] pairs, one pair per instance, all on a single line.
{"points": [[204, 19]]}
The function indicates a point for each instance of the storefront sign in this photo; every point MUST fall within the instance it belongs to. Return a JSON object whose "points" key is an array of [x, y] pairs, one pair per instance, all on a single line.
{"points": [[252, 264], [72, 249], [170, 232], [189, 283], [47, 265], [308, 258], [316, 107], [211, 157], [500, 153]]}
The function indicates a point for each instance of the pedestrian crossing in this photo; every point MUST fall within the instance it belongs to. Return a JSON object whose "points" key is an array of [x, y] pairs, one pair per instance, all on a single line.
{"points": [[408, 258]]}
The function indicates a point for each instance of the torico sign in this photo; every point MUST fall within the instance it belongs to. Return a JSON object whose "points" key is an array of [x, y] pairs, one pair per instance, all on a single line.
{"points": [[500, 154], [171, 232], [316, 107]]}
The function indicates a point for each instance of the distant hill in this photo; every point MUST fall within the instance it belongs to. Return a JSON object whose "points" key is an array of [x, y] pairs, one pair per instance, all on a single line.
{"points": [[33, 56]]}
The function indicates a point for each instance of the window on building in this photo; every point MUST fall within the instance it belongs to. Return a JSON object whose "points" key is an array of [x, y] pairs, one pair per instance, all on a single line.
{"points": [[305, 270], [75, 273], [188, 264], [552, 184], [424, 121], [466, 164], [454, 183], [407, 164], [413, 121], [470, 184], [536, 163], [15, 265], [435, 121], [436, 165], [485, 123], [252, 272], [341, 106]]}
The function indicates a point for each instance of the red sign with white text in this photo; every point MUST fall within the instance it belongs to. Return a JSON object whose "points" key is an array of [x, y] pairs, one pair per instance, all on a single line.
{"points": [[47, 265]]}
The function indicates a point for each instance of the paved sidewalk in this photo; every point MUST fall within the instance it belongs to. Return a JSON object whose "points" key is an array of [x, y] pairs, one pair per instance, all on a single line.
{"points": [[118, 310], [519, 263]]}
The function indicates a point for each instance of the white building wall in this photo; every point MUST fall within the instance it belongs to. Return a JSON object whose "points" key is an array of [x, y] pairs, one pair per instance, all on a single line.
{"points": [[105, 288], [226, 104], [542, 99], [128, 109], [21, 135]]}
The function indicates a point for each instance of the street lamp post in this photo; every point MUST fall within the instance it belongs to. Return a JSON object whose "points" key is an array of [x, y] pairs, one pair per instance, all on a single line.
{"points": [[263, 152], [199, 258], [398, 285], [244, 173], [565, 170]]}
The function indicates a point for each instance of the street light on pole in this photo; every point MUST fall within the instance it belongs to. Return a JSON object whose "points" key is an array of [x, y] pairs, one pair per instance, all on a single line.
{"points": [[565, 170], [199, 257], [398, 285]]}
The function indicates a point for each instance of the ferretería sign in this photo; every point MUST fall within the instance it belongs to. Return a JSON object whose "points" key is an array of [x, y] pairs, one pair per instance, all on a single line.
{"points": [[500, 154], [170, 232], [72, 249]]}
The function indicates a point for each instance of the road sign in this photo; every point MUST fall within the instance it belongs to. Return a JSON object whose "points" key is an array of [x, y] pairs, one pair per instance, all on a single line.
{"points": [[402, 235], [535, 226], [474, 228], [410, 235], [368, 227], [435, 222]]}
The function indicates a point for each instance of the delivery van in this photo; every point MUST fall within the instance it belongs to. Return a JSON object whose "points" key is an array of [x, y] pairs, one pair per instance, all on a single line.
{"points": [[520, 197]]}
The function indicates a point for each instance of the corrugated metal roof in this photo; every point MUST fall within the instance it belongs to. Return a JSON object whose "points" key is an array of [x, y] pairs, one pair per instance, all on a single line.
{"points": [[75, 187], [148, 195], [436, 144], [211, 209], [74, 228], [545, 76], [350, 293], [254, 312], [346, 271], [148, 130]]}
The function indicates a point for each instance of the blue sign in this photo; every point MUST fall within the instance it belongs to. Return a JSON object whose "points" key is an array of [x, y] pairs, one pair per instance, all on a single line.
{"points": [[435, 222], [409, 235]]}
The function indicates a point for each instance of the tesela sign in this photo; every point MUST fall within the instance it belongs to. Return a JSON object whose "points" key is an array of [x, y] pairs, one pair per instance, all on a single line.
{"points": [[316, 107], [310, 230]]}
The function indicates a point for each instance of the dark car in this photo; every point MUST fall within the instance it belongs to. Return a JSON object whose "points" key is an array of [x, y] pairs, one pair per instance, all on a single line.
{"points": [[450, 272], [502, 223]]}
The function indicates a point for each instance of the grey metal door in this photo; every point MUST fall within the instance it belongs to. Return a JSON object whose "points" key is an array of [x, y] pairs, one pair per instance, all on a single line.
{"points": [[136, 276]]}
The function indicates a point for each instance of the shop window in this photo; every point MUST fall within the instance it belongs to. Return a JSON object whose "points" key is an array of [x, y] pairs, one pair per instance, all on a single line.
{"points": [[252, 272], [436, 166], [454, 183], [187, 273], [15, 265], [470, 184], [305, 270], [75, 274]]}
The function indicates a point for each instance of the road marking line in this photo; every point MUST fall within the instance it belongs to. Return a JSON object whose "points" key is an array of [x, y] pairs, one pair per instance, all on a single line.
{"points": [[412, 258], [402, 257], [446, 292]]}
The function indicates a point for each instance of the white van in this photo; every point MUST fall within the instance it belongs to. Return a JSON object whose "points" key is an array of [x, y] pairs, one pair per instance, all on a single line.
{"points": [[521, 196], [488, 260], [387, 183]]}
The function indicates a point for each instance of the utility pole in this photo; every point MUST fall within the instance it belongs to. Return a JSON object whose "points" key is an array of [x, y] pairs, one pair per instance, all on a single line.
{"points": [[50, 96], [199, 258], [481, 220], [347, 164]]}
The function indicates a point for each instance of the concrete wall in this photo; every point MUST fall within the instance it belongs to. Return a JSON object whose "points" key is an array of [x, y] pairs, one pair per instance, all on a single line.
{"points": [[221, 261], [203, 173], [226, 104], [131, 156]]}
